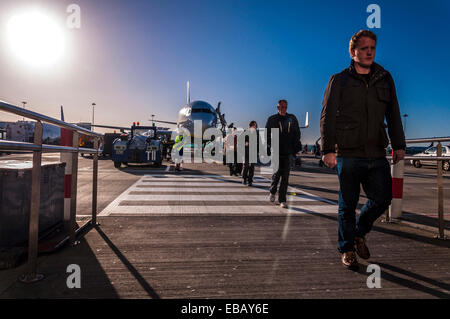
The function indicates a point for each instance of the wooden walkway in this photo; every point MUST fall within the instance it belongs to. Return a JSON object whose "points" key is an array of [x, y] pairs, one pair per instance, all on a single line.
{"points": [[163, 249]]}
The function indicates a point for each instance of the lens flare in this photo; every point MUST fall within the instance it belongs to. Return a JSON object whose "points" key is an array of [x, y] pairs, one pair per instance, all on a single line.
{"points": [[35, 39]]}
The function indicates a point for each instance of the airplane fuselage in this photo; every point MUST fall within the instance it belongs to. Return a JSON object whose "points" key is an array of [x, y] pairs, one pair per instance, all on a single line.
{"points": [[197, 111]]}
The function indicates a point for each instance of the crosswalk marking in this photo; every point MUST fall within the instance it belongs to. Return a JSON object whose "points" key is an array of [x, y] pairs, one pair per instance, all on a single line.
{"points": [[211, 198], [266, 170], [166, 194]]}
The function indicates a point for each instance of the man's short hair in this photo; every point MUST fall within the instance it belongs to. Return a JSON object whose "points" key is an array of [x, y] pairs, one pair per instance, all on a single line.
{"points": [[251, 123], [282, 101], [360, 34]]}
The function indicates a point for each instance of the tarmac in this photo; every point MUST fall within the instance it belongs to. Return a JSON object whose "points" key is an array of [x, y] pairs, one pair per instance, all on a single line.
{"points": [[202, 234]]}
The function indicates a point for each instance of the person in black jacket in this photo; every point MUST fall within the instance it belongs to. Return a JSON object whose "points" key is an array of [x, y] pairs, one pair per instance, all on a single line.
{"points": [[249, 166], [357, 101], [289, 145]]}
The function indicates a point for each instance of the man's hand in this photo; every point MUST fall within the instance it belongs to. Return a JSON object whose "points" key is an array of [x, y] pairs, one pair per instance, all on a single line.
{"points": [[398, 155], [329, 159]]}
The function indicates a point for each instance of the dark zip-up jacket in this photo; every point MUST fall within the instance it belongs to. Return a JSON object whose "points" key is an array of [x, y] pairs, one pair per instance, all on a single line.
{"points": [[289, 133], [353, 113]]}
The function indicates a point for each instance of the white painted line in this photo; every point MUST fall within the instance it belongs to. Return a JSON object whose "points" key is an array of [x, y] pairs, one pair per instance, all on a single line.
{"points": [[158, 175], [202, 180], [265, 210], [194, 184], [267, 170], [116, 202], [229, 188], [212, 198], [295, 190], [188, 178]]}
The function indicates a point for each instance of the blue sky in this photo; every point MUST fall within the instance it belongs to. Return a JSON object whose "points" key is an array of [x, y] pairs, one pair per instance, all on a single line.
{"points": [[133, 58]]}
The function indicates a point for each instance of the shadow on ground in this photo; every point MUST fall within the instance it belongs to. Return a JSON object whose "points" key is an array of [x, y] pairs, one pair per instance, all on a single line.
{"points": [[94, 280]]}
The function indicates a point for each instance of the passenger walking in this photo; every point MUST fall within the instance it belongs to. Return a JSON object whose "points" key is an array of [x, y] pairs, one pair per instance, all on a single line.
{"points": [[317, 148], [249, 168], [356, 103], [289, 145]]}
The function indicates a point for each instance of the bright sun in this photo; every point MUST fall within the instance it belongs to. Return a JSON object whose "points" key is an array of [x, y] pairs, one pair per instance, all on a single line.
{"points": [[35, 39]]}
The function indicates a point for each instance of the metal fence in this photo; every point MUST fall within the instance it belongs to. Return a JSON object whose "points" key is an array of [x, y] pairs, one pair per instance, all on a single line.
{"points": [[38, 148], [440, 180]]}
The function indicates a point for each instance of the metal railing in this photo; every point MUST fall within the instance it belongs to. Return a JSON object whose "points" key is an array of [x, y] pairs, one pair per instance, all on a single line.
{"points": [[440, 180], [38, 148]]}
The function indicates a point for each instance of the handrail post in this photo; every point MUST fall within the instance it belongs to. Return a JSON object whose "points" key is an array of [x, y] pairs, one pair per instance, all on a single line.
{"points": [[73, 189], [33, 240], [440, 182], [67, 140], [397, 172], [94, 183]]}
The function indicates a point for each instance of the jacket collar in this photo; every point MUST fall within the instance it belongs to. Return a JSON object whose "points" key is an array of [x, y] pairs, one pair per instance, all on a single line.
{"points": [[377, 72], [284, 117]]}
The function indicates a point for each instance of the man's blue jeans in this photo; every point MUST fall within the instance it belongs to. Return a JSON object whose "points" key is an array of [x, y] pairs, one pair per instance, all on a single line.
{"points": [[374, 175]]}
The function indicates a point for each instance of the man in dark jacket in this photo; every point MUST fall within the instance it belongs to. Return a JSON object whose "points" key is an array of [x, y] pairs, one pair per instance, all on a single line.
{"points": [[356, 103], [249, 166], [289, 145]]}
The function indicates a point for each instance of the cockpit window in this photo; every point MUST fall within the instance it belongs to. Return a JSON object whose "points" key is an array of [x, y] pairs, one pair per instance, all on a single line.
{"points": [[200, 110]]}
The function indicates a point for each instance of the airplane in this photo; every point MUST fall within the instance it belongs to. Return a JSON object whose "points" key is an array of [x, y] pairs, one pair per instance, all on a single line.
{"points": [[198, 111], [192, 111]]}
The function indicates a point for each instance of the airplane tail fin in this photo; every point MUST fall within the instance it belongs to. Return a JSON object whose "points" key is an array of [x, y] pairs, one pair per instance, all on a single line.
{"points": [[306, 122], [218, 108], [221, 116], [62, 113], [188, 93]]}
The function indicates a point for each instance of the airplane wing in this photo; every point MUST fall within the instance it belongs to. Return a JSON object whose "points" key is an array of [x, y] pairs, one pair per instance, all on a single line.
{"points": [[167, 122], [113, 127]]}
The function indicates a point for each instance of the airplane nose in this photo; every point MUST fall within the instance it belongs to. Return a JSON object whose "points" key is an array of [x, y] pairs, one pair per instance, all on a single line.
{"points": [[205, 119]]}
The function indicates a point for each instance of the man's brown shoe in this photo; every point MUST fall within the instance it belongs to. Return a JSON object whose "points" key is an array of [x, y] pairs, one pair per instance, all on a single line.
{"points": [[349, 259], [361, 248]]}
